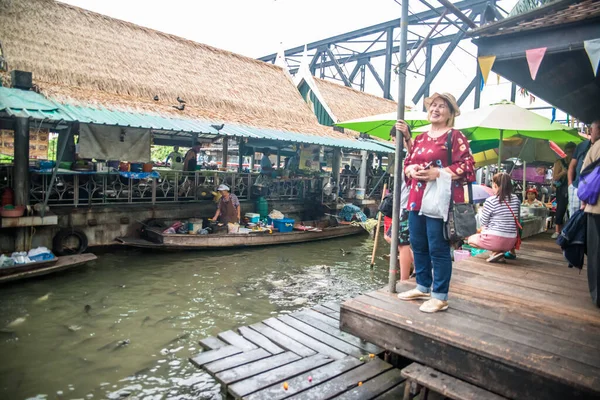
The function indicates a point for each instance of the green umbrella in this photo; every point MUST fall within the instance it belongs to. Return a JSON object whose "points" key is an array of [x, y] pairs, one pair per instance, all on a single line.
{"points": [[505, 120], [379, 125]]}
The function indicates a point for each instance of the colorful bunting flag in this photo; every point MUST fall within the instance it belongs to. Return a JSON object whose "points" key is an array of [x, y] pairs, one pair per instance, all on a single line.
{"points": [[592, 48], [534, 60], [553, 115], [486, 63]]}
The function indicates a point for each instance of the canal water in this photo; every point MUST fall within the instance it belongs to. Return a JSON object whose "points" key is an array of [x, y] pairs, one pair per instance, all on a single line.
{"points": [[125, 325]]}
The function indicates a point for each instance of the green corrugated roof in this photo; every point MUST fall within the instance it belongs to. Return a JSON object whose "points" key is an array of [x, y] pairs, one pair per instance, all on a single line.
{"points": [[27, 104], [22, 103]]}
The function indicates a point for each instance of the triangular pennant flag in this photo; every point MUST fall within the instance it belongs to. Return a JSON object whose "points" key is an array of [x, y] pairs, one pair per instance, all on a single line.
{"points": [[553, 115], [534, 59], [485, 63], [592, 48], [497, 79]]}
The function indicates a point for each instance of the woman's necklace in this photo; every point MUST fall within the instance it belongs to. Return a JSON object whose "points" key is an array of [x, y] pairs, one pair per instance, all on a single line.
{"points": [[436, 133]]}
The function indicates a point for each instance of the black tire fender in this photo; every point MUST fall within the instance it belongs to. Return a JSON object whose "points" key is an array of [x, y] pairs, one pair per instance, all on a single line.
{"points": [[58, 242]]}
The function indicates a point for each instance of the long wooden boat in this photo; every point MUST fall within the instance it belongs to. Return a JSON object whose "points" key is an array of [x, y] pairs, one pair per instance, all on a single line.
{"points": [[155, 239], [43, 268]]}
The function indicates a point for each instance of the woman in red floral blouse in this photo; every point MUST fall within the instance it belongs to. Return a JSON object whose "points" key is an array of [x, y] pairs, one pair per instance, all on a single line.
{"points": [[427, 157]]}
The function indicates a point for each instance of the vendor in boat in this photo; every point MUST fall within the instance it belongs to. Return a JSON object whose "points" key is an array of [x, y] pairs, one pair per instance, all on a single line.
{"points": [[228, 208]]}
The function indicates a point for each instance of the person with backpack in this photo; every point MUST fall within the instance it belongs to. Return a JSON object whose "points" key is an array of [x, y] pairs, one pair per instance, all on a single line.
{"points": [[574, 170], [589, 190], [561, 183]]}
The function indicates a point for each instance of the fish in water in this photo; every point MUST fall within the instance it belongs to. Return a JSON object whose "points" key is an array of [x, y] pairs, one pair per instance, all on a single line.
{"points": [[43, 298], [178, 338], [17, 322], [73, 328], [122, 343], [108, 345], [344, 252], [87, 308], [163, 320], [146, 320], [115, 344]]}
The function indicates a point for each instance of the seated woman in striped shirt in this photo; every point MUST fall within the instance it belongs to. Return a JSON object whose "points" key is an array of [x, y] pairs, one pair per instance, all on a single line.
{"points": [[498, 220]]}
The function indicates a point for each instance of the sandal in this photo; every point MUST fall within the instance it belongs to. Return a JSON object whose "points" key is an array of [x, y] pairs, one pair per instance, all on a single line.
{"points": [[495, 257]]}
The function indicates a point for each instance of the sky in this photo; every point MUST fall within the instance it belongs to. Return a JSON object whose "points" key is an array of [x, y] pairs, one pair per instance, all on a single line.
{"points": [[257, 28]]}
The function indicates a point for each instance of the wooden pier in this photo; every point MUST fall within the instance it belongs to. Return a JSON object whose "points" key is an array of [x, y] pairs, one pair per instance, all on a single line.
{"points": [[302, 355], [526, 329]]}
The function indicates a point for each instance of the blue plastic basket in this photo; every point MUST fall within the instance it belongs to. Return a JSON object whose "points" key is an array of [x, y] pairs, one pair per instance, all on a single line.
{"points": [[284, 225]]}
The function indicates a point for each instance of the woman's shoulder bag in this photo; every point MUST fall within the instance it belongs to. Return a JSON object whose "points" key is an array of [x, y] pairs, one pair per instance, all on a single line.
{"points": [[461, 217]]}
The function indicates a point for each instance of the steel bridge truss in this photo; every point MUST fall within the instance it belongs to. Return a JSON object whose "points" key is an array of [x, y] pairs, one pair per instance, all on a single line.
{"points": [[348, 57]]}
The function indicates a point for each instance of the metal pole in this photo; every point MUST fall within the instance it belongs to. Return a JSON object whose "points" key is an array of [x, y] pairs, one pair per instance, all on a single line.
{"points": [[399, 146], [389, 47], [500, 146], [524, 180]]}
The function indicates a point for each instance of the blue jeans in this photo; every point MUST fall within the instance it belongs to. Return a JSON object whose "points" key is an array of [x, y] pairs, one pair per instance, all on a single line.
{"points": [[431, 252]]}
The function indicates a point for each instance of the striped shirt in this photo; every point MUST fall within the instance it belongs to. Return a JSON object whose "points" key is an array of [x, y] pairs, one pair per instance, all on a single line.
{"points": [[497, 219]]}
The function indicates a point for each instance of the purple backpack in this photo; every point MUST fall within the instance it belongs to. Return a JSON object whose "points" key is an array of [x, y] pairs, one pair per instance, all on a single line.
{"points": [[589, 183]]}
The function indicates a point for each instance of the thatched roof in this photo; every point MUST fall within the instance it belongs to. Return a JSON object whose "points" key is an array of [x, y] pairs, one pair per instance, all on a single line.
{"points": [[78, 56], [346, 103]]}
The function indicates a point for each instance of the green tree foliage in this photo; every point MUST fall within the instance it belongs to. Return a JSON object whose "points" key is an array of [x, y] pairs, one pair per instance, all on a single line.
{"points": [[159, 153]]}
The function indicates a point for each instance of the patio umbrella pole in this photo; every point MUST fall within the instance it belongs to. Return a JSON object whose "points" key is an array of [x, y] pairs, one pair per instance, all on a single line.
{"points": [[524, 188], [500, 145], [399, 146], [378, 228]]}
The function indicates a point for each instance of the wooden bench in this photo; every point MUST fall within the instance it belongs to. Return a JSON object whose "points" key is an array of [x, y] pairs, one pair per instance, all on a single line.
{"points": [[421, 380]]}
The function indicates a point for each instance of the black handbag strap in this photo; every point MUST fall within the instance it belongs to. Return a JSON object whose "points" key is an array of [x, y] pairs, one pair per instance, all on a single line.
{"points": [[469, 184]]}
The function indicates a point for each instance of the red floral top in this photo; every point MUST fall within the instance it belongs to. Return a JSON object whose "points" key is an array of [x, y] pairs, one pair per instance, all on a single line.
{"points": [[427, 149]]}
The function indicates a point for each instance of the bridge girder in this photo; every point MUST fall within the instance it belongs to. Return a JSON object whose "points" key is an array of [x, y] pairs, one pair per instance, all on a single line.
{"points": [[349, 55]]}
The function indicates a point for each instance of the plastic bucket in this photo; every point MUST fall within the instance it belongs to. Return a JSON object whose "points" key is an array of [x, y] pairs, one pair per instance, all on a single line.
{"points": [[360, 193], [194, 225], [461, 255]]}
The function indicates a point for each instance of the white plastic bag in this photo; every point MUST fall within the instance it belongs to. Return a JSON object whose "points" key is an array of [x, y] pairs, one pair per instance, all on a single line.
{"points": [[436, 198]]}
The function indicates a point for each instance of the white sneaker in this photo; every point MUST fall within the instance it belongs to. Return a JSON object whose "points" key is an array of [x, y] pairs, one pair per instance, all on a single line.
{"points": [[434, 305], [554, 235], [414, 294]]}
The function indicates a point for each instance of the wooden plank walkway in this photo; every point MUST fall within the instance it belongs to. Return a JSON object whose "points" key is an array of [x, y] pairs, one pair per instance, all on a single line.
{"points": [[523, 329], [303, 355]]}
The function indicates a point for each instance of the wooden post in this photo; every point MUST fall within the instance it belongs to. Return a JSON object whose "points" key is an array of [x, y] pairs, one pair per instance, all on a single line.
{"points": [[278, 158], [225, 152], [241, 155], [21, 175], [378, 227]]}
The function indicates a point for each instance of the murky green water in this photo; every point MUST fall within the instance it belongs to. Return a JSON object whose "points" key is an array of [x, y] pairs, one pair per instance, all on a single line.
{"points": [[147, 312]]}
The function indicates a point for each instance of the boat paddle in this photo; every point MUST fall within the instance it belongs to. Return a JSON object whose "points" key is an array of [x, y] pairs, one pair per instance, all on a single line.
{"points": [[378, 227]]}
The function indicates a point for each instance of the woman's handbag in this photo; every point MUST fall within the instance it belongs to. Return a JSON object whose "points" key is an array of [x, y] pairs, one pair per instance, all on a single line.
{"points": [[461, 217], [519, 227]]}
